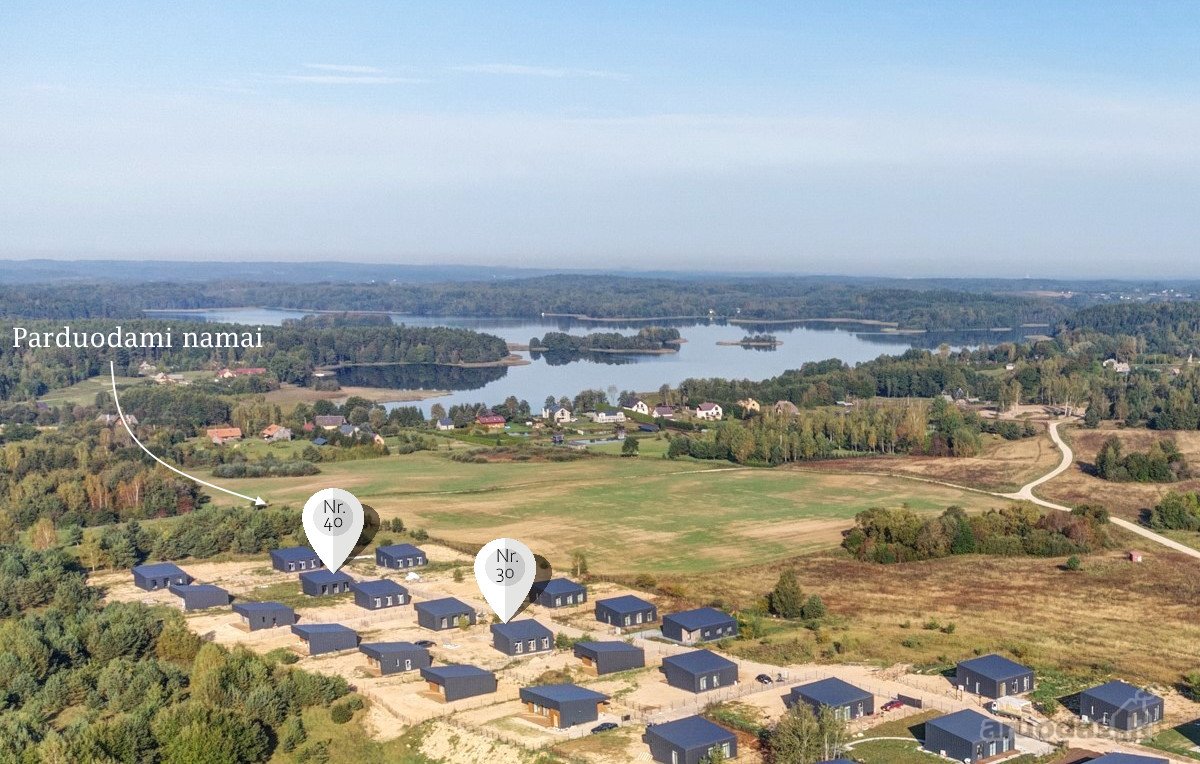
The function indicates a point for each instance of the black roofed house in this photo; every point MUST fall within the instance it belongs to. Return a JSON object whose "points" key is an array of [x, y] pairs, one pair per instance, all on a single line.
{"points": [[609, 657], [377, 595], [1121, 706], [320, 638], [264, 615], [562, 705], [994, 676], [1129, 758], [699, 671], [522, 637], [294, 559], [700, 625], [199, 596], [400, 556], [320, 583], [450, 683], [159, 575], [690, 740], [394, 657], [844, 699], [968, 736], [626, 610], [558, 592], [444, 613]]}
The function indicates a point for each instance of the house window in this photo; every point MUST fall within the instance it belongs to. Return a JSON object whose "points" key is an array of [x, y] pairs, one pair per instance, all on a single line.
{"points": [[532, 645], [716, 680], [408, 664], [291, 566], [626, 620], [703, 683], [674, 757], [444, 624], [377, 602], [545, 643], [518, 647], [639, 617], [557, 601]]}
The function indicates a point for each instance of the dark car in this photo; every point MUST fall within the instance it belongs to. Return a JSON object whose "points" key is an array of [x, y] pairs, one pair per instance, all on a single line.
{"points": [[604, 727], [424, 643], [892, 705], [763, 679]]}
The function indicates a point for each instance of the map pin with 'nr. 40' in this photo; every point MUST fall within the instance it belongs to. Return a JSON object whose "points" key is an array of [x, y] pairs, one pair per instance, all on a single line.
{"points": [[505, 570], [333, 521]]}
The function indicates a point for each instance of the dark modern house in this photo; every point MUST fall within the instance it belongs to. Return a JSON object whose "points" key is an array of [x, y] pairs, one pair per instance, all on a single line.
{"points": [[562, 705], [159, 575], [994, 676], [558, 592], [321, 583], [699, 671], [264, 615], [320, 638], [1129, 758], [295, 559], [700, 625], [968, 736], [609, 657], [394, 657], [1120, 706], [445, 613], [399, 556], [377, 595], [626, 610], [522, 637], [200, 596], [690, 740], [844, 699], [450, 683]]}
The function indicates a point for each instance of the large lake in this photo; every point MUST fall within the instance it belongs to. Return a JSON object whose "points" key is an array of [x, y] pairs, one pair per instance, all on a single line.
{"points": [[699, 356]]}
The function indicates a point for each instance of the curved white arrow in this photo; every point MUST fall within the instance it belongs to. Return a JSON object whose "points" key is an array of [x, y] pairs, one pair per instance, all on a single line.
{"points": [[256, 501]]}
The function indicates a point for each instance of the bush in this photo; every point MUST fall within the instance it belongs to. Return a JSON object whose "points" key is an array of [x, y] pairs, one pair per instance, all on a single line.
{"points": [[1074, 563], [341, 713]]}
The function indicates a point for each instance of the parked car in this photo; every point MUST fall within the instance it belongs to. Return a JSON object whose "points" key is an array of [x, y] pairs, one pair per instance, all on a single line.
{"points": [[604, 727], [424, 643], [892, 705], [763, 679]]}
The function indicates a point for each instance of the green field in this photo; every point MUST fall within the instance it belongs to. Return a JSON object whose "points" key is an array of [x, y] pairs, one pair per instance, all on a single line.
{"points": [[627, 515], [1179, 741]]}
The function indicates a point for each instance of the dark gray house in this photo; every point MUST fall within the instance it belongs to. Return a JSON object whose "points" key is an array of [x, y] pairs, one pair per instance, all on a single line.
{"points": [[522, 637], [159, 575], [395, 657], [563, 705], [200, 596], [690, 740], [450, 683], [609, 657], [264, 615], [626, 610], [844, 699], [700, 625], [445, 613], [994, 676], [399, 556], [1129, 758], [319, 638], [377, 595], [699, 671], [295, 559], [968, 736], [558, 592], [1120, 706], [321, 583]]}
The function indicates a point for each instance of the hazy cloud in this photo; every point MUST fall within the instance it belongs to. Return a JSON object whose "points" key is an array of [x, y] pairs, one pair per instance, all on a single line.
{"points": [[345, 68], [521, 70]]}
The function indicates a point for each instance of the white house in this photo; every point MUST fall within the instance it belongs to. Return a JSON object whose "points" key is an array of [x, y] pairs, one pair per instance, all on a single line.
{"points": [[1119, 367], [709, 410], [640, 407], [557, 414], [445, 423], [606, 417]]}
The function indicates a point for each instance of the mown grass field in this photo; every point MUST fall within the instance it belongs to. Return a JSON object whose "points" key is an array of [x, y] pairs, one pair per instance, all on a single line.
{"points": [[1180, 741], [626, 515]]}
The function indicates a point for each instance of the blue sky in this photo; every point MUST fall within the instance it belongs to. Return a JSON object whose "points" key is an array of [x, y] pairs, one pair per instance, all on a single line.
{"points": [[1037, 138]]}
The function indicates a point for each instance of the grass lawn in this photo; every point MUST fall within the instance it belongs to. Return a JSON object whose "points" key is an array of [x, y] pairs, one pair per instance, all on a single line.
{"points": [[627, 515], [891, 752], [351, 742], [84, 393], [648, 447], [1178, 741]]}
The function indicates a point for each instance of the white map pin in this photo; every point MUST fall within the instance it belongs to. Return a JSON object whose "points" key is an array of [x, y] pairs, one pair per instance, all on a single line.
{"points": [[333, 521], [505, 570]]}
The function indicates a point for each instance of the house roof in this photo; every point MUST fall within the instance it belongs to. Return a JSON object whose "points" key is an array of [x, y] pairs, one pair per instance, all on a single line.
{"points": [[444, 606], [294, 553], [400, 550], [445, 421], [246, 608], [557, 408], [159, 569], [182, 590], [224, 432], [832, 692], [378, 588], [699, 661], [326, 576], [626, 603], [691, 620], [347, 429], [1123, 695], [611, 646], [968, 725], [553, 694], [995, 667], [329, 420], [319, 441], [271, 429], [307, 630], [525, 629], [691, 732], [1129, 758], [490, 419], [706, 406], [378, 650], [441, 673], [559, 586]]}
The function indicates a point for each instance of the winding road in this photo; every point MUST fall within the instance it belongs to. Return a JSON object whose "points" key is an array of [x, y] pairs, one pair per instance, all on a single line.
{"points": [[1068, 458]]}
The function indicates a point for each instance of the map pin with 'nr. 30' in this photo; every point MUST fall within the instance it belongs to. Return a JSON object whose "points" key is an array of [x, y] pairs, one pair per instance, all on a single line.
{"points": [[505, 570]]}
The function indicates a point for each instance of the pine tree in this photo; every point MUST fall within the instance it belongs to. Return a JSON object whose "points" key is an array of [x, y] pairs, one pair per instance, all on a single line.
{"points": [[786, 600]]}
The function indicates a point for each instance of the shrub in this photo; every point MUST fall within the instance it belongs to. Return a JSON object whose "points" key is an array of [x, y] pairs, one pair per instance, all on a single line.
{"points": [[341, 713]]}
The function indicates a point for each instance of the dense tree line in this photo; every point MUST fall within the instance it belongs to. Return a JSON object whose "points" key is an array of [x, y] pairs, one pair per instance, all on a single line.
{"points": [[1176, 511], [1161, 463], [901, 535], [647, 338]]}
